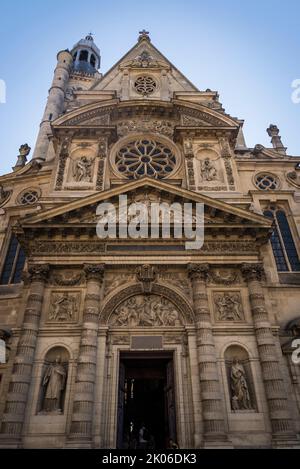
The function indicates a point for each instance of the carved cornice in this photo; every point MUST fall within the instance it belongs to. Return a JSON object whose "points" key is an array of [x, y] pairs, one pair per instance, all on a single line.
{"points": [[94, 271], [252, 271], [198, 271]]}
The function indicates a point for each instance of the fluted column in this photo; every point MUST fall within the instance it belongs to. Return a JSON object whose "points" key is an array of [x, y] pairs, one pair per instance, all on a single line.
{"points": [[83, 403], [212, 411], [13, 418], [281, 421]]}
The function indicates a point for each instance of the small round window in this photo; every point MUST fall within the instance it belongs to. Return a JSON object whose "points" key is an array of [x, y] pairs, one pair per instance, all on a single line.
{"points": [[266, 182], [29, 197], [145, 85], [145, 157]]}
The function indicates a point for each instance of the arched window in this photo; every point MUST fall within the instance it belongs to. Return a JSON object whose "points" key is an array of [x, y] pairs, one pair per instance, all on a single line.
{"points": [[283, 245], [13, 264], [84, 56], [93, 60]]}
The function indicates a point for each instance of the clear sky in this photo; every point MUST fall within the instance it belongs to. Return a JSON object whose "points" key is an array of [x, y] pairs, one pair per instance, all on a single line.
{"points": [[248, 51]]}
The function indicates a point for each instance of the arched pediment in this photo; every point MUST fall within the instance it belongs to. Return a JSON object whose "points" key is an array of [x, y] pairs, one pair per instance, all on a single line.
{"points": [[162, 307], [181, 113]]}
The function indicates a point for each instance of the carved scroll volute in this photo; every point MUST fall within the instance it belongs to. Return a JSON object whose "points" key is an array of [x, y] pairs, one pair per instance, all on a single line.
{"points": [[146, 274]]}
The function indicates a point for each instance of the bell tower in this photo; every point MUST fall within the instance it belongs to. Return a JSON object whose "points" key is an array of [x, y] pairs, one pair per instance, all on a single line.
{"points": [[86, 55]]}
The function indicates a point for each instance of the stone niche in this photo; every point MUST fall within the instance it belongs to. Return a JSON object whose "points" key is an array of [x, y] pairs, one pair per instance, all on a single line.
{"points": [[81, 167], [240, 380], [52, 393], [209, 170]]}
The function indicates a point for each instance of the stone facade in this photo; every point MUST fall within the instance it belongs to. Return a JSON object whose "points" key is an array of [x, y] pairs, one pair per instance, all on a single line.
{"points": [[225, 316]]}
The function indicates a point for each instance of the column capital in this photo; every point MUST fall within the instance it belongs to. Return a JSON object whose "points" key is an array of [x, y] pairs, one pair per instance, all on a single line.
{"points": [[252, 271], [94, 271], [38, 272], [198, 271]]}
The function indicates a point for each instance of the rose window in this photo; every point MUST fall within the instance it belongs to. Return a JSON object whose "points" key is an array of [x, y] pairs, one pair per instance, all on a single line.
{"points": [[266, 182], [29, 197], [145, 158], [145, 85]]}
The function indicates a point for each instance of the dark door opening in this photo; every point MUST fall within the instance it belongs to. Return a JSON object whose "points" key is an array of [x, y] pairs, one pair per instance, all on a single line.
{"points": [[146, 405]]}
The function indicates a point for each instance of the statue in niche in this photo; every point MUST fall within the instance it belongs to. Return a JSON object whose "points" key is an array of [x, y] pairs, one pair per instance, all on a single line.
{"points": [[146, 311], [228, 307], [240, 399], [54, 382], [82, 169], [63, 308], [208, 170]]}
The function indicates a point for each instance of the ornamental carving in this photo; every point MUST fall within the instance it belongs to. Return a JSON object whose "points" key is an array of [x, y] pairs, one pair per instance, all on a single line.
{"points": [[39, 272], [146, 125], [68, 279], [144, 310], [228, 306], [252, 272], [4, 195], [117, 281], [64, 307], [83, 169], [68, 247], [208, 170], [63, 156], [223, 277], [198, 271], [205, 118], [94, 271]]}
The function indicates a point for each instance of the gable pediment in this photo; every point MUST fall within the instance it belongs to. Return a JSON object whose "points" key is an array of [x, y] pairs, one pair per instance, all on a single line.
{"points": [[145, 190]]}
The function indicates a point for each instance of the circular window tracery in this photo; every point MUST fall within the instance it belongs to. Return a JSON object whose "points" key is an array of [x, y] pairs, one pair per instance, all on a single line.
{"points": [[145, 157], [29, 197], [145, 85], [266, 182]]}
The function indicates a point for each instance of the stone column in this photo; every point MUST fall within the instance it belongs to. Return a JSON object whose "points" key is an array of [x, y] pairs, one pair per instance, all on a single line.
{"points": [[84, 398], [281, 421], [14, 414], [194, 367], [210, 388]]}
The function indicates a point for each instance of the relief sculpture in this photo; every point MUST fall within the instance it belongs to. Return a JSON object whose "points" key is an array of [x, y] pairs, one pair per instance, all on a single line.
{"points": [[149, 310]]}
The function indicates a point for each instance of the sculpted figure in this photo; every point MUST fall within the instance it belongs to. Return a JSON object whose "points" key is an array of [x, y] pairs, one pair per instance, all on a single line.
{"points": [[83, 169], [239, 387], [208, 170], [54, 381]]}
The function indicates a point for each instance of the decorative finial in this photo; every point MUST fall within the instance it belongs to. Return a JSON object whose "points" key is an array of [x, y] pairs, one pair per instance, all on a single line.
{"points": [[144, 35], [24, 151], [89, 37], [273, 132]]}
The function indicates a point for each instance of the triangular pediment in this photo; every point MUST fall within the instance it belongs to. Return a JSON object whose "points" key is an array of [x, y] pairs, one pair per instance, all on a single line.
{"points": [[145, 190], [144, 57]]}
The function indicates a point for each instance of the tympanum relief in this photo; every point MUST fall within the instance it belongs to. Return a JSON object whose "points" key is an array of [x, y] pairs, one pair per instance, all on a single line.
{"points": [[228, 306], [146, 310]]}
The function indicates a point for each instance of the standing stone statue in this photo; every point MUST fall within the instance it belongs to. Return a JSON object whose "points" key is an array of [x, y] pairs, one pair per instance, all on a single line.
{"points": [[239, 387], [54, 381]]}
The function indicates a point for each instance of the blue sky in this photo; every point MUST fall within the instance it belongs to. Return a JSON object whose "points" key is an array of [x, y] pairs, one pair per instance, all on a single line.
{"points": [[248, 51]]}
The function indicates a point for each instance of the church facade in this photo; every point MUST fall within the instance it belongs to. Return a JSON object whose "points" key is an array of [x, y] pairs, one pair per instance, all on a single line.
{"points": [[105, 336]]}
